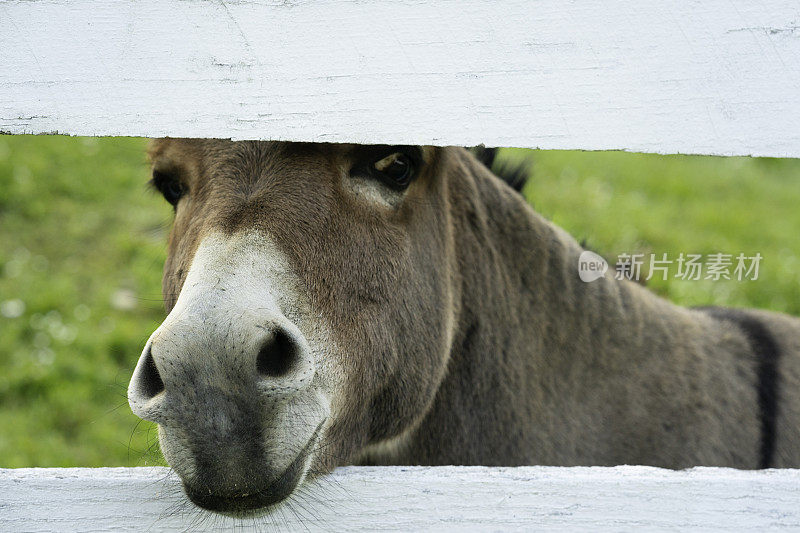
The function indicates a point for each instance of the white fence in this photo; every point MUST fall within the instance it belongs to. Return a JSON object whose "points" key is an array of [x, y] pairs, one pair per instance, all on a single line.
{"points": [[712, 76], [691, 76], [419, 499]]}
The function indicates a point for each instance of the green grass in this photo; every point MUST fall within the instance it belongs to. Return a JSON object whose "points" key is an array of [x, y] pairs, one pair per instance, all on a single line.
{"points": [[82, 246]]}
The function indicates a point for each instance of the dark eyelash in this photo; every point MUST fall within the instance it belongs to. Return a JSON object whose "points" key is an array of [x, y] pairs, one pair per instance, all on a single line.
{"points": [[414, 153], [374, 153]]}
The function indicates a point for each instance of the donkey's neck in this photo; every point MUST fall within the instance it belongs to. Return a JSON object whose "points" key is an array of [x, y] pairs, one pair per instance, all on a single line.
{"points": [[532, 339]]}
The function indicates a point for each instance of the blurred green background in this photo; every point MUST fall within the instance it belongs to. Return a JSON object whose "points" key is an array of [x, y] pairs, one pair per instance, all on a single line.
{"points": [[82, 244]]}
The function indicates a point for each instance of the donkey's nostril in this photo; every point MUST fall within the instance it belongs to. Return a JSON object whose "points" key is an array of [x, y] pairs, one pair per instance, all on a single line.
{"points": [[150, 382], [277, 355]]}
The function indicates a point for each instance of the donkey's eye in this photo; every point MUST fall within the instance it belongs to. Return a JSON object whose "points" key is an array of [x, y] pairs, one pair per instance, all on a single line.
{"points": [[396, 170], [168, 185]]}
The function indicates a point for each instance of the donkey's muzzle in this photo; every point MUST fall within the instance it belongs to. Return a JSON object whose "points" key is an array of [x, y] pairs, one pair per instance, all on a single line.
{"points": [[232, 381], [233, 396]]}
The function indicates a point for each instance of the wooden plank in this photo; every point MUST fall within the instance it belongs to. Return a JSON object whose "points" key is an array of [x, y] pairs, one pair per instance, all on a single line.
{"points": [[711, 76], [418, 498]]}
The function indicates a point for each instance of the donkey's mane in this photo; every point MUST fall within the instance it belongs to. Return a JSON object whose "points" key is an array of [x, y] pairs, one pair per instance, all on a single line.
{"points": [[514, 174]]}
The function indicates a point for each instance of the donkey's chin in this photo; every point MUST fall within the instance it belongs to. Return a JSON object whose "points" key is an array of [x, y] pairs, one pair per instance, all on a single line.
{"points": [[254, 500], [251, 504]]}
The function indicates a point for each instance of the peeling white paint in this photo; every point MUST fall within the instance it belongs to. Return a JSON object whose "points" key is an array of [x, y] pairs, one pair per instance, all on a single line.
{"points": [[716, 77]]}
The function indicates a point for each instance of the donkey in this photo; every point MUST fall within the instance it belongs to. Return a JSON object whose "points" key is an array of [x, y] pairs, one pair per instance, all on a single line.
{"points": [[333, 304]]}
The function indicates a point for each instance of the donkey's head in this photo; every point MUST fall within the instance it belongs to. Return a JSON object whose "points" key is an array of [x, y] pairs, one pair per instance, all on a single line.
{"points": [[310, 307]]}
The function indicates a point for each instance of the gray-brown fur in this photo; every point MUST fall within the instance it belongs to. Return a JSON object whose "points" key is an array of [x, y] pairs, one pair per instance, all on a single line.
{"points": [[468, 336]]}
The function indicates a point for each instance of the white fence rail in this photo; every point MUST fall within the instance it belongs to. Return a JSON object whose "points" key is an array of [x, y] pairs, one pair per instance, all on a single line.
{"points": [[710, 76], [419, 499]]}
